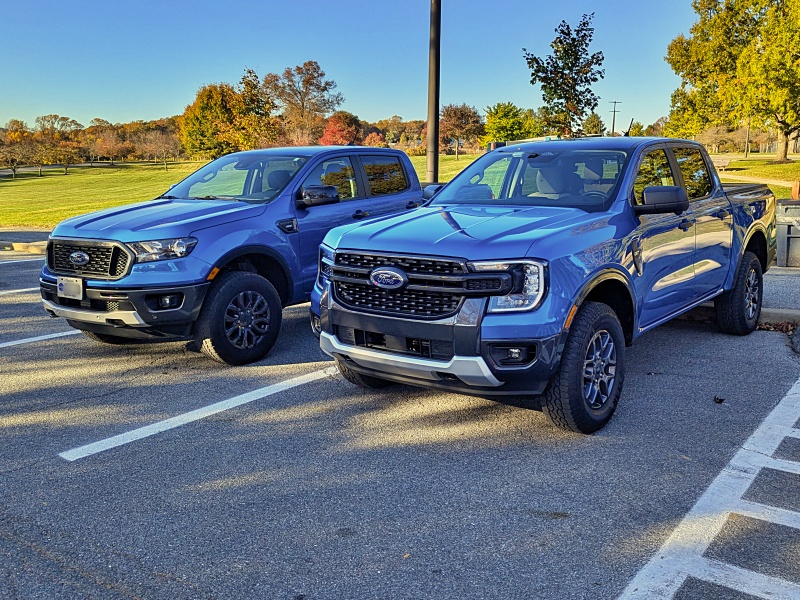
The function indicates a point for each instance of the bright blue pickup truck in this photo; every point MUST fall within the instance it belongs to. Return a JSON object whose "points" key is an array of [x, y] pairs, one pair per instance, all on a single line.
{"points": [[530, 272], [217, 256]]}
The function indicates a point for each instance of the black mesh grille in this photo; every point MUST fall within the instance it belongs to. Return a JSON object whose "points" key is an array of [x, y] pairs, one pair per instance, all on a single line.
{"points": [[487, 285], [106, 261], [410, 264], [406, 302]]}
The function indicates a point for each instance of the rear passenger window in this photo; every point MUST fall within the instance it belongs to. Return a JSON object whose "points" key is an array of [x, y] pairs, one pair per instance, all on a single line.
{"points": [[654, 170], [694, 171], [385, 175]]}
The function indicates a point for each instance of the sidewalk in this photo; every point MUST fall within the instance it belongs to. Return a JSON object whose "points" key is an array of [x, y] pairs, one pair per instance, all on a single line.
{"points": [[28, 241]]}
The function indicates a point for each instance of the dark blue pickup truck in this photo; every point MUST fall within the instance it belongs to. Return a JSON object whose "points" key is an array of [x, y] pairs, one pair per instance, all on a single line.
{"points": [[530, 273], [217, 256]]}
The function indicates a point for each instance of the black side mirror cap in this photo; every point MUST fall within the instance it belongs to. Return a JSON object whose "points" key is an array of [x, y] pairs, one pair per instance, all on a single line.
{"points": [[662, 199], [315, 195]]}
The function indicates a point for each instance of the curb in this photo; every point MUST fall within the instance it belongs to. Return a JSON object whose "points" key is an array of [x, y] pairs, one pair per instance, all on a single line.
{"points": [[769, 316], [26, 247]]}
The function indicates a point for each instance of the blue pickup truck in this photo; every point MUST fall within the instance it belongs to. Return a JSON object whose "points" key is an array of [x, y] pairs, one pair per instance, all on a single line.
{"points": [[215, 258], [530, 272]]}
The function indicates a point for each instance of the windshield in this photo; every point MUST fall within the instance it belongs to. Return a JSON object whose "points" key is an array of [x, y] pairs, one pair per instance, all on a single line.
{"points": [[256, 178], [583, 179]]}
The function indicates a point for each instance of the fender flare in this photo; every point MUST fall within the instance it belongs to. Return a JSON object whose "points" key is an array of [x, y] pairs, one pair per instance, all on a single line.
{"points": [[258, 249]]}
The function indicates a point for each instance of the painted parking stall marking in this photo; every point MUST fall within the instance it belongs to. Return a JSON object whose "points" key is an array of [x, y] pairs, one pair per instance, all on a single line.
{"points": [[20, 260], [39, 338], [20, 291], [682, 555], [195, 415]]}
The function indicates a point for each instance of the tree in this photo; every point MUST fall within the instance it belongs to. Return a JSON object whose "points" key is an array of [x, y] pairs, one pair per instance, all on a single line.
{"points": [[205, 119], [304, 96], [460, 123], [376, 140], [657, 128], [505, 122], [567, 75], [594, 125], [343, 128], [739, 63], [636, 129], [252, 124], [54, 141], [160, 145], [16, 146]]}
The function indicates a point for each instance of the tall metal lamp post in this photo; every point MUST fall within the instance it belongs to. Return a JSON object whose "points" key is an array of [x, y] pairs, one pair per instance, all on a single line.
{"points": [[432, 172]]}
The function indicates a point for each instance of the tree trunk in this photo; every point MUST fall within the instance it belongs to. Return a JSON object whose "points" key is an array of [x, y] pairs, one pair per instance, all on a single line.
{"points": [[40, 170], [783, 147], [65, 168]]}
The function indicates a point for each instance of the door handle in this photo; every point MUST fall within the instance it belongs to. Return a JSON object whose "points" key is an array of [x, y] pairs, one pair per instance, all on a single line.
{"points": [[360, 214], [686, 225], [723, 214]]}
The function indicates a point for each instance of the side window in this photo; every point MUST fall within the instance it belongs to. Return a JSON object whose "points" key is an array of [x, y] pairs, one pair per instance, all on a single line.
{"points": [[694, 171], [337, 172], [653, 170], [384, 175]]}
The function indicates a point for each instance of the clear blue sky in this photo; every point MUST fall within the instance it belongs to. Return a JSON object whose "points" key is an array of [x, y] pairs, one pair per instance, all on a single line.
{"points": [[122, 61]]}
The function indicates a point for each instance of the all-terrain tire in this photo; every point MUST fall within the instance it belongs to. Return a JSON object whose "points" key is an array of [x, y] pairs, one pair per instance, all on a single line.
{"points": [[240, 319], [363, 381], [739, 309], [584, 392]]}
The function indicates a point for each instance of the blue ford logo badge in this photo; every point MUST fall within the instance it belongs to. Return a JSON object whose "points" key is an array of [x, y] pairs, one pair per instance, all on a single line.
{"points": [[388, 278], [79, 258]]}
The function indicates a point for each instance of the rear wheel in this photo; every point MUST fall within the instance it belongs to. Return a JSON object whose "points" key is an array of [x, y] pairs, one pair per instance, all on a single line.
{"points": [[583, 394], [739, 309], [364, 381], [240, 319]]}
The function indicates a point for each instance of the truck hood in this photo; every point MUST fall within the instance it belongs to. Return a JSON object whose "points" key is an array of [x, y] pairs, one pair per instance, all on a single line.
{"points": [[463, 231], [157, 219]]}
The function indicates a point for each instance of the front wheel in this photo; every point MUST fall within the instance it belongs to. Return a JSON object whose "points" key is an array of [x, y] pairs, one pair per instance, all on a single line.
{"points": [[240, 319], [583, 394], [739, 309]]}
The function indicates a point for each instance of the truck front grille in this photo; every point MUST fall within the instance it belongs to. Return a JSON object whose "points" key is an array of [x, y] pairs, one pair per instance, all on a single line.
{"points": [[107, 260], [436, 287]]}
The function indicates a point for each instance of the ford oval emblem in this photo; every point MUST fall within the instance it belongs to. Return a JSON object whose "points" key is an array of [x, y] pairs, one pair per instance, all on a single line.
{"points": [[79, 258], [388, 278]]}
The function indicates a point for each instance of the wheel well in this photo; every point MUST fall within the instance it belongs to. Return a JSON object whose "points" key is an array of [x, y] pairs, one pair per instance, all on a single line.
{"points": [[267, 267], [615, 294], [758, 246]]}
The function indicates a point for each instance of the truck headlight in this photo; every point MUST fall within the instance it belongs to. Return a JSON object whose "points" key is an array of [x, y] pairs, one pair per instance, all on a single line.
{"points": [[529, 279], [325, 266], [162, 249]]}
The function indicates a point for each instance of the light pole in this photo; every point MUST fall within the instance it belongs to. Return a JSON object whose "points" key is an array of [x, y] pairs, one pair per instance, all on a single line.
{"points": [[432, 162]]}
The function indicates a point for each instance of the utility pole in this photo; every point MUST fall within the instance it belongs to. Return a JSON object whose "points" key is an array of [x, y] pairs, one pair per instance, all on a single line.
{"points": [[432, 162], [614, 116], [747, 140]]}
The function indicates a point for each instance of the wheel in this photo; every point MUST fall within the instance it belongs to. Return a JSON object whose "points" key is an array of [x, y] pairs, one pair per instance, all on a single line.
{"points": [[364, 381], [240, 319], [104, 338], [583, 394], [739, 309]]}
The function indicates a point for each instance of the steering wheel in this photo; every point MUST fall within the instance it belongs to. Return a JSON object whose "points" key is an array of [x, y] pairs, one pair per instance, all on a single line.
{"points": [[594, 194]]}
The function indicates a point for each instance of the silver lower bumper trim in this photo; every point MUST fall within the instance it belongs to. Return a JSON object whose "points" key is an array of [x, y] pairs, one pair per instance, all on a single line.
{"points": [[127, 317], [472, 370]]}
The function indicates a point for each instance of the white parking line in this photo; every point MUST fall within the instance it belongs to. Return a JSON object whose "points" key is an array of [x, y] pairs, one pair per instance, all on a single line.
{"points": [[681, 555], [19, 260], [194, 415], [39, 338], [21, 291]]}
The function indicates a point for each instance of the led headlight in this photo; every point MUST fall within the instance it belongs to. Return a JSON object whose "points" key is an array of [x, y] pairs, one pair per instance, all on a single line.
{"points": [[162, 249], [325, 266], [532, 284]]}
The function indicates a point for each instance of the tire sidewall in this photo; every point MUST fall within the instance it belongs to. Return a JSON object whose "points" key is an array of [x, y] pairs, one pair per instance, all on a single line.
{"points": [[753, 264]]}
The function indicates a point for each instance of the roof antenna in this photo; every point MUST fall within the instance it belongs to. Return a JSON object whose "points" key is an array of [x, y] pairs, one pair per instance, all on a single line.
{"points": [[628, 133]]}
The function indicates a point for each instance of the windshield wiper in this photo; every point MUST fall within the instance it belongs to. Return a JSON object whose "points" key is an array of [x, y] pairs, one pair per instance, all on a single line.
{"points": [[234, 198], [167, 198]]}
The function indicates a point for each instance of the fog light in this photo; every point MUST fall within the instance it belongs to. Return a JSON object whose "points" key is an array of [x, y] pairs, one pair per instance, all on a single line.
{"points": [[514, 353], [169, 301]]}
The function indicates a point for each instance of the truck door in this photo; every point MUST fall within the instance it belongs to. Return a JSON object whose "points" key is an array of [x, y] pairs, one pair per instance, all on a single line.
{"points": [[663, 247], [369, 186], [713, 222]]}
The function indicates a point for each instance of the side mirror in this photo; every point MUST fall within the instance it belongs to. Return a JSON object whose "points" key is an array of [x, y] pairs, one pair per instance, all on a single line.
{"points": [[315, 195], [430, 190], [662, 199]]}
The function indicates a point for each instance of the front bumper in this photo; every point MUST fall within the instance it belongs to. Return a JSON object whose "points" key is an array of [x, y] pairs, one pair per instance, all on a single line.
{"points": [[132, 313], [456, 354]]}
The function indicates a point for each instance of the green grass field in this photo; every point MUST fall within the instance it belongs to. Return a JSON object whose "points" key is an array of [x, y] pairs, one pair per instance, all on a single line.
{"points": [[41, 202]]}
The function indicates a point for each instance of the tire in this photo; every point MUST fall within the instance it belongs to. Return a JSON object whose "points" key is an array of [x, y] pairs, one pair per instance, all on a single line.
{"points": [[363, 381], [583, 394], [240, 319], [104, 338], [739, 309]]}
